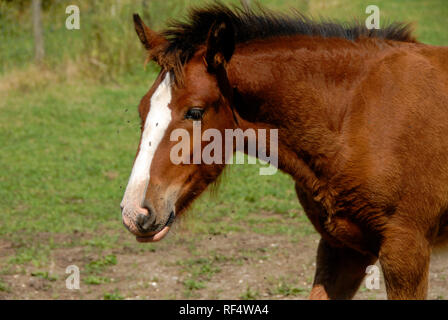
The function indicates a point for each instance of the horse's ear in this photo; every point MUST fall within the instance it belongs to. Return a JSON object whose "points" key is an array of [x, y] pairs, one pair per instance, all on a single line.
{"points": [[220, 45], [150, 39]]}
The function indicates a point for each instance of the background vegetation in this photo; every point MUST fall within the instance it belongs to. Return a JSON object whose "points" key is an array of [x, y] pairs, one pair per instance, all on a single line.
{"points": [[69, 131]]}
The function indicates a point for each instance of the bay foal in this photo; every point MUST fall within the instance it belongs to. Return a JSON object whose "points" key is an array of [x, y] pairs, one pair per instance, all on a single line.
{"points": [[362, 119]]}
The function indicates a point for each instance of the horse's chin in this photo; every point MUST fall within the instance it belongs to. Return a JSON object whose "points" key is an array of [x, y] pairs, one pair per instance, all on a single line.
{"points": [[155, 237]]}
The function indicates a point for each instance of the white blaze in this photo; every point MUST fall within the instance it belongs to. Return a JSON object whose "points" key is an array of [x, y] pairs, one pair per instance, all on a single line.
{"points": [[156, 123]]}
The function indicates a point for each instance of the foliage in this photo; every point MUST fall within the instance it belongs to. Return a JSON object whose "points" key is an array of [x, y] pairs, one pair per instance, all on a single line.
{"points": [[106, 46]]}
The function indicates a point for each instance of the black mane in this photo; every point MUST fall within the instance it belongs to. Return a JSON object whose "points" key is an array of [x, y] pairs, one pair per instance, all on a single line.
{"points": [[185, 37]]}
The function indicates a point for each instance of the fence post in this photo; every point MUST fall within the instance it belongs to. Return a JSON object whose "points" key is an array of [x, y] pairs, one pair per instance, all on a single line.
{"points": [[246, 4], [39, 51]]}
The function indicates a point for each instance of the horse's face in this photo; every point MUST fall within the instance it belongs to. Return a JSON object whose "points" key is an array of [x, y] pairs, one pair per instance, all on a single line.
{"points": [[159, 188]]}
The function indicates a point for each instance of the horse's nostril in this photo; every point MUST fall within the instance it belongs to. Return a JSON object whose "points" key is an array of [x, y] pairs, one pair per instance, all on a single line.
{"points": [[141, 218], [145, 222]]}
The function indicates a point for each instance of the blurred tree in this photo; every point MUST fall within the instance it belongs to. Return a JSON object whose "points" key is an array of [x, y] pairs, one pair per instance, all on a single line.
{"points": [[39, 51]]}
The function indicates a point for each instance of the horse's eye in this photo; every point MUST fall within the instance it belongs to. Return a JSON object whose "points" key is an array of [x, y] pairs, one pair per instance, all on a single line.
{"points": [[194, 114]]}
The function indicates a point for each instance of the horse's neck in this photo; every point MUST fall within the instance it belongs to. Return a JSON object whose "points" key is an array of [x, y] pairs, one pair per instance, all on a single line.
{"points": [[304, 93]]}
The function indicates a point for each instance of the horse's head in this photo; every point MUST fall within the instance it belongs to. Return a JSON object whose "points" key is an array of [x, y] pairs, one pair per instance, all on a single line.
{"points": [[161, 187]]}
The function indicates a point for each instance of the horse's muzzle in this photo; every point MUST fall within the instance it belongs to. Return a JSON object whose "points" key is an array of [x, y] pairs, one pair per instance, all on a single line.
{"points": [[143, 223]]}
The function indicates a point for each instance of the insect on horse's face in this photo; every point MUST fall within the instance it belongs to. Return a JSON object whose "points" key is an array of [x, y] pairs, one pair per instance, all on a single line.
{"points": [[159, 189]]}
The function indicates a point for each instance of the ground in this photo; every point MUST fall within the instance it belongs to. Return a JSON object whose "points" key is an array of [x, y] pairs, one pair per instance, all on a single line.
{"points": [[236, 265]]}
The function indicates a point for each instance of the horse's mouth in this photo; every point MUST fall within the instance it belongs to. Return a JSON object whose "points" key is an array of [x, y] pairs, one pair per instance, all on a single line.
{"points": [[160, 234]]}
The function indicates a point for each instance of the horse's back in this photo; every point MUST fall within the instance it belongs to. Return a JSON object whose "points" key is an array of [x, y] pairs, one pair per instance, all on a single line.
{"points": [[398, 134]]}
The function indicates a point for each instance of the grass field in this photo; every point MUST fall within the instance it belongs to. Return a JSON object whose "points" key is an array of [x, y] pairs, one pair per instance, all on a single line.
{"points": [[66, 153]]}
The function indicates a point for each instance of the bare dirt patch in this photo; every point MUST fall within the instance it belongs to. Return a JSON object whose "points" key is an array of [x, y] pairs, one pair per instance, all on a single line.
{"points": [[232, 266]]}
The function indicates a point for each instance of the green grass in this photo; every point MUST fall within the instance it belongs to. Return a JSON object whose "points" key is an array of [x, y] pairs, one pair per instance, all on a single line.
{"points": [[250, 294], [61, 158], [199, 271], [98, 266], [96, 280], [192, 284], [430, 17], [285, 288], [36, 254], [45, 275], [115, 295], [4, 287]]}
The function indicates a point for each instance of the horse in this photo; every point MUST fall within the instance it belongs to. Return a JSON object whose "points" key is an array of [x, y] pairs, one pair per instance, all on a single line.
{"points": [[362, 120]]}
